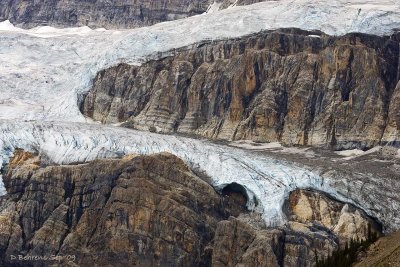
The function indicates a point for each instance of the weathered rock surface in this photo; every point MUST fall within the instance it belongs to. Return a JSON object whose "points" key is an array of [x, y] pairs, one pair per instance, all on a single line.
{"points": [[343, 220], [147, 210], [103, 13], [150, 211], [237, 243], [384, 252], [392, 132], [287, 85]]}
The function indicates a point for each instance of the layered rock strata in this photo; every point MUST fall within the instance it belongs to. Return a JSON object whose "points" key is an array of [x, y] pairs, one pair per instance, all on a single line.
{"points": [[148, 210], [152, 211], [291, 86], [343, 220], [104, 13]]}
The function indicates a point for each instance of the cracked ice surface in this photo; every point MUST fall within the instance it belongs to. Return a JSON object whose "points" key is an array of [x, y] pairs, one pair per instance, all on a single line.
{"points": [[267, 179], [43, 69]]}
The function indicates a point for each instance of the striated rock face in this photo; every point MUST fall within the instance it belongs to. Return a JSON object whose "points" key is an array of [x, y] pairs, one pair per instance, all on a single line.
{"points": [[104, 13], [317, 225], [149, 211], [344, 220], [142, 210], [287, 85], [392, 132], [237, 243]]}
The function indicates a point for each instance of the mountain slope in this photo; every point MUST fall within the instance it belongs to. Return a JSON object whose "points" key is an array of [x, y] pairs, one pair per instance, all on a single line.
{"points": [[291, 86], [105, 13], [296, 71], [59, 64], [153, 211], [384, 252]]}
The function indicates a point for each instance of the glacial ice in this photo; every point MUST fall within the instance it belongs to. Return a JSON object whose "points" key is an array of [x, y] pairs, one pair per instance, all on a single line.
{"points": [[267, 179], [44, 70]]}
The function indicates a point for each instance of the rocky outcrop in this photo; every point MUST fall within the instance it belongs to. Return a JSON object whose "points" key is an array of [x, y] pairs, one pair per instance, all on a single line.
{"points": [[150, 211], [239, 244], [343, 220], [291, 86], [392, 132], [103, 13]]}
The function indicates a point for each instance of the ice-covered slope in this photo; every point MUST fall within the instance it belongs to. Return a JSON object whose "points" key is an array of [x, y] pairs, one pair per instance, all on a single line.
{"points": [[43, 69], [266, 179]]}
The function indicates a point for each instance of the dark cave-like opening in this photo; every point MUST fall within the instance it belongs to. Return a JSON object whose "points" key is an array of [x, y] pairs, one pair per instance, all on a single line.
{"points": [[236, 195]]}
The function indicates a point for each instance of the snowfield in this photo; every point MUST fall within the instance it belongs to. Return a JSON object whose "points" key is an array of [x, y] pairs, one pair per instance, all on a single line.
{"points": [[44, 70]]}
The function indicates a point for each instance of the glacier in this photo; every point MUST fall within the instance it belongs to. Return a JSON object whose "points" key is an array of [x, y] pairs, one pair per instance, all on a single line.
{"points": [[268, 181], [43, 72]]}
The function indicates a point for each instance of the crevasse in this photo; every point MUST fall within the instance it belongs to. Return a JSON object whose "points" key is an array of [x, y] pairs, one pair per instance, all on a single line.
{"points": [[266, 179], [43, 70]]}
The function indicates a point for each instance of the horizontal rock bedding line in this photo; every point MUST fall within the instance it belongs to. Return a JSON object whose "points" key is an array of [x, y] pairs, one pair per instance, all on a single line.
{"points": [[288, 85]]}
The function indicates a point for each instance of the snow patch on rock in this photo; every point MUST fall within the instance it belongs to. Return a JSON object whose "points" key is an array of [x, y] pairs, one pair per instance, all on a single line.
{"points": [[355, 153], [214, 7], [251, 145]]}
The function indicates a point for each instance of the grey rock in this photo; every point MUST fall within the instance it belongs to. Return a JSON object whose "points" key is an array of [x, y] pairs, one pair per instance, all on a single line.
{"points": [[284, 85], [153, 211], [102, 13]]}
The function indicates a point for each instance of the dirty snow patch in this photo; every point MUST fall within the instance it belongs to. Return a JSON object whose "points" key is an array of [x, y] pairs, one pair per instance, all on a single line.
{"points": [[251, 145]]}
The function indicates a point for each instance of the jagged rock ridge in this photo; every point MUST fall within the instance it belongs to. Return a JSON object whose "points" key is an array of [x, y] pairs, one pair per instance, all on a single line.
{"points": [[292, 86]]}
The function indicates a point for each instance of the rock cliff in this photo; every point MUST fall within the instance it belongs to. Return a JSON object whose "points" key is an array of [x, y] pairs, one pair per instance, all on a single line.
{"points": [[104, 13], [344, 220], [153, 211], [291, 86], [148, 210]]}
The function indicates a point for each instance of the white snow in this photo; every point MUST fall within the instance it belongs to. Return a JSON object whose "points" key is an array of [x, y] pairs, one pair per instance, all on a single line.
{"points": [[314, 36], [2, 188], [355, 153], [43, 70], [351, 152], [269, 180], [8, 26], [213, 7]]}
